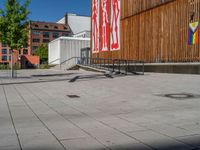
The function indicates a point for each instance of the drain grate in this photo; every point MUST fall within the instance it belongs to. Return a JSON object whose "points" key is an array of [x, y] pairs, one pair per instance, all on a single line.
{"points": [[73, 96]]}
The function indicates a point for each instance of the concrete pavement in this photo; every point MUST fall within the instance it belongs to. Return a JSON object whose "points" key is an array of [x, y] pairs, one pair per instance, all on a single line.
{"points": [[38, 111]]}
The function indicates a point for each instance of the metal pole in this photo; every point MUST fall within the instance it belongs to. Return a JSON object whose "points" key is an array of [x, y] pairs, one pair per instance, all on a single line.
{"points": [[143, 68], [135, 67], [108, 64], [126, 66], [11, 66], [119, 66], [113, 61], [104, 63], [100, 63]]}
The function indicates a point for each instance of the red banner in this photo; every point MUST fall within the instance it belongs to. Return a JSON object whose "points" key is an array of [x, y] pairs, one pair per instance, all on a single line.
{"points": [[115, 25], [104, 25], [95, 26]]}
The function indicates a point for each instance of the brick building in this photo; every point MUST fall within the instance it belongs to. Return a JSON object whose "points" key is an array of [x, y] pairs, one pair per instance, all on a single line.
{"points": [[44, 32], [71, 25], [39, 32]]}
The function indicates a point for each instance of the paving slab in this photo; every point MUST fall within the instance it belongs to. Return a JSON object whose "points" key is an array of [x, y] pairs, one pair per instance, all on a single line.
{"points": [[159, 141], [83, 144], [122, 113]]}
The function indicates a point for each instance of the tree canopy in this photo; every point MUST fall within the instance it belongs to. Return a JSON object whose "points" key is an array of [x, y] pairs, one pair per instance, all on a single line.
{"points": [[14, 24], [42, 51]]}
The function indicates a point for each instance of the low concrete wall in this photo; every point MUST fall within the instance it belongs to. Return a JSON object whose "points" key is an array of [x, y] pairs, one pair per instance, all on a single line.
{"points": [[183, 68]]}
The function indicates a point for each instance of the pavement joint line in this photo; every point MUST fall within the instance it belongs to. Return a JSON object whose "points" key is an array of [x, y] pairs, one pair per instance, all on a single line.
{"points": [[178, 127], [99, 122], [175, 138], [12, 120], [189, 135], [114, 128], [164, 135], [40, 119], [34, 82], [68, 119], [81, 107], [72, 139]]}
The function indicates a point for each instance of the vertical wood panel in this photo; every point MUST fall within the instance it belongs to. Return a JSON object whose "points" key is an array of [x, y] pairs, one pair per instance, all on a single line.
{"points": [[159, 34]]}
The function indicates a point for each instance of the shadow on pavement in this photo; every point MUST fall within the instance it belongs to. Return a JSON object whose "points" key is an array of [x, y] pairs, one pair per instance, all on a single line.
{"points": [[158, 146], [79, 78], [54, 75]]}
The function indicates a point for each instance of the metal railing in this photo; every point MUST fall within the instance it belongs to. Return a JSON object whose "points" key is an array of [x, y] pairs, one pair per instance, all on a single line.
{"points": [[119, 66], [54, 61]]}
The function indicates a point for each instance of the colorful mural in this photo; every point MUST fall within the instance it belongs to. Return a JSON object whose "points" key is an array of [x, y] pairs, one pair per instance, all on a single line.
{"points": [[193, 33]]}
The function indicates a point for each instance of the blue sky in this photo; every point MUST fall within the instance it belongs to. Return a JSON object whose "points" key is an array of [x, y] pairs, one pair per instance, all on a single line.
{"points": [[53, 10]]}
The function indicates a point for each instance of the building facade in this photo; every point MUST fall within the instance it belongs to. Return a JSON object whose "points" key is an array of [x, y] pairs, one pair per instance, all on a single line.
{"points": [[71, 25], [39, 32], [148, 30], [79, 25], [66, 48], [45, 32]]}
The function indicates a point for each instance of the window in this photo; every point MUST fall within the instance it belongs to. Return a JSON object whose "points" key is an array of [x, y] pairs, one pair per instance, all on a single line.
{"points": [[9, 58], [10, 51], [36, 26], [26, 45], [65, 34], [46, 34], [36, 32], [36, 40], [4, 45], [25, 51], [55, 35], [34, 48], [55, 27], [4, 51], [4, 58], [46, 26], [45, 40]]}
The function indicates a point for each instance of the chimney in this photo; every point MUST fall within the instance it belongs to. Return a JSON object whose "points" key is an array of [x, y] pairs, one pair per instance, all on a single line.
{"points": [[66, 19]]}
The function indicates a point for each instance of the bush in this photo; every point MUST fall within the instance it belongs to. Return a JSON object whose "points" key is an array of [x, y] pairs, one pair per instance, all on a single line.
{"points": [[17, 66], [42, 52], [4, 67], [44, 66]]}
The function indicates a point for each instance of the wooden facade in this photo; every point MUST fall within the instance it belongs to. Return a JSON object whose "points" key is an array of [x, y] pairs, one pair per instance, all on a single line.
{"points": [[157, 31]]}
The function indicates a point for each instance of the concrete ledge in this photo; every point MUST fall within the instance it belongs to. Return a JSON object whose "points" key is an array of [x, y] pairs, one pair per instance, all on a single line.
{"points": [[183, 68]]}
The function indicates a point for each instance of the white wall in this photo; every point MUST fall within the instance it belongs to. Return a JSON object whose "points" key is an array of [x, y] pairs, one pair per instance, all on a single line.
{"points": [[62, 21], [71, 47], [79, 23], [85, 34], [65, 48], [54, 52]]}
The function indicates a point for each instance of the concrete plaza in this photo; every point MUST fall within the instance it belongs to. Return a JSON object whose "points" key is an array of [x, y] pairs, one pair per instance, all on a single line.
{"points": [[80, 110]]}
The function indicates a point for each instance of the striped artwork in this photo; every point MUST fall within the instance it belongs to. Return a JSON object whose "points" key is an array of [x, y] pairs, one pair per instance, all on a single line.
{"points": [[95, 26], [193, 33]]}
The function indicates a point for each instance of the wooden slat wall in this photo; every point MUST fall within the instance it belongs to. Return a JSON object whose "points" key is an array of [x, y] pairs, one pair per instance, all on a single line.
{"points": [[132, 7], [159, 34]]}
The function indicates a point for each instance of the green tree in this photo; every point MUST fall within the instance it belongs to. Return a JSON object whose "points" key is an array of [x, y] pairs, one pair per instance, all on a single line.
{"points": [[14, 25], [42, 51]]}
